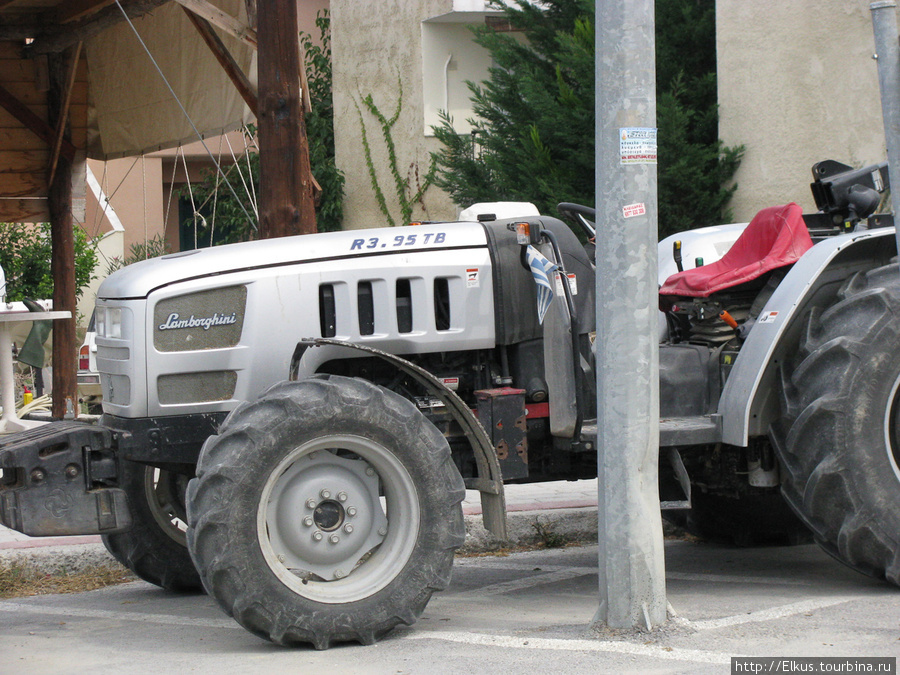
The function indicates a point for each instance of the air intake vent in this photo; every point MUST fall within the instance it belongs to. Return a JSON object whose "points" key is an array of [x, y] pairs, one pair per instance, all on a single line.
{"points": [[442, 303], [365, 308], [327, 313], [183, 388], [404, 306]]}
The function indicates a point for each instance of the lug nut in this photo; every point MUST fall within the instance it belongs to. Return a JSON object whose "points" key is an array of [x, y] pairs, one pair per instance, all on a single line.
{"points": [[308, 521], [325, 494], [310, 503], [317, 535], [339, 574], [342, 496], [334, 539], [351, 511], [348, 528]]}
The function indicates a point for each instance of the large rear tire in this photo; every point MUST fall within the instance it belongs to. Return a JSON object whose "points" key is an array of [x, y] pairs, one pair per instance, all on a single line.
{"points": [[838, 441], [329, 510], [155, 548]]}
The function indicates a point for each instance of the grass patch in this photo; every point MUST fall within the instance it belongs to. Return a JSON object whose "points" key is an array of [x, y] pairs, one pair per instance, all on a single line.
{"points": [[18, 580]]}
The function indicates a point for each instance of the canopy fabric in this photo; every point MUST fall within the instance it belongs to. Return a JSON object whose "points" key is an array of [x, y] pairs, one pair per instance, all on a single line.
{"points": [[776, 237], [132, 110]]}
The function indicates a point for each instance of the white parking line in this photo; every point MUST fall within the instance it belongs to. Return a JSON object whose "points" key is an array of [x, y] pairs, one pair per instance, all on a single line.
{"points": [[549, 577], [771, 614], [654, 652], [162, 619]]}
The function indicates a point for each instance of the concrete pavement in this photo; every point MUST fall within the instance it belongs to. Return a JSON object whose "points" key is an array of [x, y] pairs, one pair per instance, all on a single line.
{"points": [[527, 613]]}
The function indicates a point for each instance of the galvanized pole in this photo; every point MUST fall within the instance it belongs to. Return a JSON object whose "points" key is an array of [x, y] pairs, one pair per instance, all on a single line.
{"points": [[887, 54], [632, 568]]}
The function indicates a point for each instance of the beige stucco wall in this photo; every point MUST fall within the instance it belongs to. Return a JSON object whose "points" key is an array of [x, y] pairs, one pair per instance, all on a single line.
{"points": [[373, 43], [797, 84]]}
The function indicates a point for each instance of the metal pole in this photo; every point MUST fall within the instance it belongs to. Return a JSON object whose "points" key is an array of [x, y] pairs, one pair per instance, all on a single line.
{"points": [[887, 55], [632, 568]]}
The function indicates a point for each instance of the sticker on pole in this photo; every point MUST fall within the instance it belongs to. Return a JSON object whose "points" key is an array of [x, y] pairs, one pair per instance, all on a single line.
{"points": [[637, 145], [633, 210]]}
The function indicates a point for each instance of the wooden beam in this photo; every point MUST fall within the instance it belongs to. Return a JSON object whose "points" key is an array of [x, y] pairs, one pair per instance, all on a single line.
{"points": [[55, 38], [64, 115], [78, 9], [34, 123], [14, 210], [229, 65], [62, 265], [217, 17], [286, 200], [4, 3]]}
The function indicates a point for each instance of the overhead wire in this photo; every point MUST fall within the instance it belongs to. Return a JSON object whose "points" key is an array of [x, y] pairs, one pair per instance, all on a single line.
{"points": [[185, 112]]}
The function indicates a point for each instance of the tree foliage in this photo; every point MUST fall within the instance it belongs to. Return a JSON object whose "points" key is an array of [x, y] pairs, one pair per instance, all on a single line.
{"points": [[26, 254], [212, 196], [533, 136]]}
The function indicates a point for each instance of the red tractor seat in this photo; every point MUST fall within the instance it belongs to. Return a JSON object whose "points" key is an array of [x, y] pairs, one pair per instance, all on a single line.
{"points": [[777, 236]]}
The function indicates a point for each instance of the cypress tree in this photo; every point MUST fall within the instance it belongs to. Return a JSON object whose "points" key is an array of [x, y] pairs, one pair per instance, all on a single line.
{"points": [[533, 136]]}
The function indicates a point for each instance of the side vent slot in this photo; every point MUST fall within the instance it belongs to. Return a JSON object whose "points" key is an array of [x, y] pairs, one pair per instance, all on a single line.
{"points": [[365, 304], [327, 313], [404, 306], [442, 303]]}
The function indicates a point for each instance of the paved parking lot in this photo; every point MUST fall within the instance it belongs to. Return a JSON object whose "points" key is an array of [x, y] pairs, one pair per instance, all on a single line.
{"points": [[527, 612]]}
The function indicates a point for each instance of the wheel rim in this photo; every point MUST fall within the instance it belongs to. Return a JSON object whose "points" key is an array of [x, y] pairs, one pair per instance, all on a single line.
{"points": [[892, 428], [165, 493], [338, 518]]}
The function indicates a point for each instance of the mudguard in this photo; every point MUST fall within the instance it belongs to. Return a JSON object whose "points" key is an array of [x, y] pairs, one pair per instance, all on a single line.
{"points": [[743, 400], [490, 481]]}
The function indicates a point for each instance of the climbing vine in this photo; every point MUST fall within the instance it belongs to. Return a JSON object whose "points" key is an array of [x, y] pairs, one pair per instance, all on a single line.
{"points": [[410, 189]]}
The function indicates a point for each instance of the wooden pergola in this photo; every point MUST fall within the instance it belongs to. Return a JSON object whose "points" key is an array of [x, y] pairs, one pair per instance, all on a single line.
{"points": [[47, 107]]}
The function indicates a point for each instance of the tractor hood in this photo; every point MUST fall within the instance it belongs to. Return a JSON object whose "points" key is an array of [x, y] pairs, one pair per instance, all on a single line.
{"points": [[139, 279]]}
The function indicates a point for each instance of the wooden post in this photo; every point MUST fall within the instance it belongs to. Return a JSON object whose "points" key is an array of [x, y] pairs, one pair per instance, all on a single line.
{"points": [[286, 200], [63, 257]]}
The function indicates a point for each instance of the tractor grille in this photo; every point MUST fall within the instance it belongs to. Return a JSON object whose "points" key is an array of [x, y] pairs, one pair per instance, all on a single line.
{"points": [[210, 319]]}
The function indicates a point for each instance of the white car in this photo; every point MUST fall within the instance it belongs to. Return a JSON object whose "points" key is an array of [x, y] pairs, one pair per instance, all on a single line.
{"points": [[89, 391]]}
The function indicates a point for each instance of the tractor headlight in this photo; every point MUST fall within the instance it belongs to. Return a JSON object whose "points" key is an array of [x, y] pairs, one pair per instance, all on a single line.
{"points": [[108, 322]]}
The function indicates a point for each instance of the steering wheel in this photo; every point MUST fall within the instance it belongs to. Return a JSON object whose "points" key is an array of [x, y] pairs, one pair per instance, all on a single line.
{"points": [[583, 216]]}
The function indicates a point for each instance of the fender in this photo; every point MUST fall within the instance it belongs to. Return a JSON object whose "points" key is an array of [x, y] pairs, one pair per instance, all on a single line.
{"points": [[490, 481], [743, 403]]}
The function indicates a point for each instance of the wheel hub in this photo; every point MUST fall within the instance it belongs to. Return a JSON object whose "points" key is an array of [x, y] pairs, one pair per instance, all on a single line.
{"points": [[328, 516], [324, 514]]}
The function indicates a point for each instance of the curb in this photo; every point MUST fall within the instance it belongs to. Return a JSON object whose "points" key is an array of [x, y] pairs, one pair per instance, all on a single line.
{"points": [[547, 527], [57, 558]]}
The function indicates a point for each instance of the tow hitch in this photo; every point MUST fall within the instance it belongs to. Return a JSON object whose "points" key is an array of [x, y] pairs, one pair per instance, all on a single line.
{"points": [[59, 479]]}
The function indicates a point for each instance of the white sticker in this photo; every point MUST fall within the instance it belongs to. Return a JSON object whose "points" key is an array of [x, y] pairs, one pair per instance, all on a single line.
{"points": [[633, 210], [472, 278], [768, 317], [573, 284], [637, 145]]}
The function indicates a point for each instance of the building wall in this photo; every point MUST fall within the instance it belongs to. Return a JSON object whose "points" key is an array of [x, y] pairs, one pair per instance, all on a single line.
{"points": [[376, 50], [797, 84]]}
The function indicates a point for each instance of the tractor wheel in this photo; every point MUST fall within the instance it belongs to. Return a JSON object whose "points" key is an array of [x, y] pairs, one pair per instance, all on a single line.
{"points": [[155, 548], [839, 441], [327, 511]]}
